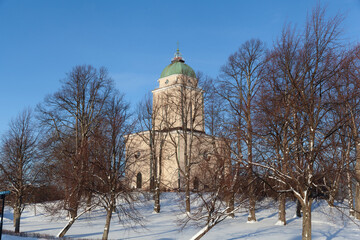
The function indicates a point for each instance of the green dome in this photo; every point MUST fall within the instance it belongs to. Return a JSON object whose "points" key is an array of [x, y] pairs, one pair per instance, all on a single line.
{"points": [[178, 67]]}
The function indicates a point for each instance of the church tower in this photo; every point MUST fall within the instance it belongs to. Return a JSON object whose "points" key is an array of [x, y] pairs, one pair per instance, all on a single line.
{"points": [[178, 102]]}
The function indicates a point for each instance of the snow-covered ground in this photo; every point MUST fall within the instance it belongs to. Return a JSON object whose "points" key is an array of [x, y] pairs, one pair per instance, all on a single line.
{"points": [[327, 224]]}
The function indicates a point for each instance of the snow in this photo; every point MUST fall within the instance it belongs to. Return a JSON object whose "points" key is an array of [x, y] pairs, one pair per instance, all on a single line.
{"points": [[8, 237], [279, 223], [328, 223], [252, 221]]}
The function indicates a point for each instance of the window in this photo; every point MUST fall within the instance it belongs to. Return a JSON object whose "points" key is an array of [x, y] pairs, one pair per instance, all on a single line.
{"points": [[196, 184], [206, 155], [137, 155], [138, 180]]}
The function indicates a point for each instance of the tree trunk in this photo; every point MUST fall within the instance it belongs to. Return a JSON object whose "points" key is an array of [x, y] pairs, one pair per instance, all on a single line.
{"points": [[89, 199], [68, 225], [66, 228], [282, 212], [349, 180], [306, 224], [231, 180], [252, 202], [350, 190], [251, 217], [17, 215], [230, 204], [249, 140], [357, 177], [335, 185], [331, 198], [107, 223], [357, 201], [158, 172], [202, 232], [298, 208], [157, 198], [187, 193], [351, 200]]}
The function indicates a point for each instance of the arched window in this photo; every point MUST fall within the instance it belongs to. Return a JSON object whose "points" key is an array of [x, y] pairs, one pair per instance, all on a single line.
{"points": [[206, 155], [196, 184], [138, 180]]}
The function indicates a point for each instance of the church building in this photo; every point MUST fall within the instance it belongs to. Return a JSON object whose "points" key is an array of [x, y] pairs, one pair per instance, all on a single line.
{"points": [[174, 148]]}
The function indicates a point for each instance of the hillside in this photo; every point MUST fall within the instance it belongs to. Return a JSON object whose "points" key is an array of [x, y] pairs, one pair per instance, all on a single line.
{"points": [[328, 223]]}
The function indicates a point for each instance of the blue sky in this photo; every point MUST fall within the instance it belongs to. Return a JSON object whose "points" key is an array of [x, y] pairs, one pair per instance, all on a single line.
{"points": [[41, 40]]}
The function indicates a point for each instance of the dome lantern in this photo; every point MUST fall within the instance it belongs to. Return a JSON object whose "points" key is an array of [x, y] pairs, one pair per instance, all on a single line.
{"points": [[177, 57]]}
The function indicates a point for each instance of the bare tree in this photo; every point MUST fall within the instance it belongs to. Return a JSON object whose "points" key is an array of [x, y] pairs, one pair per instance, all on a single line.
{"points": [[154, 134], [273, 128], [353, 71], [215, 202], [216, 126], [20, 161], [183, 105], [212, 204], [71, 115], [309, 63], [214, 178], [239, 86], [111, 186], [341, 142]]}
